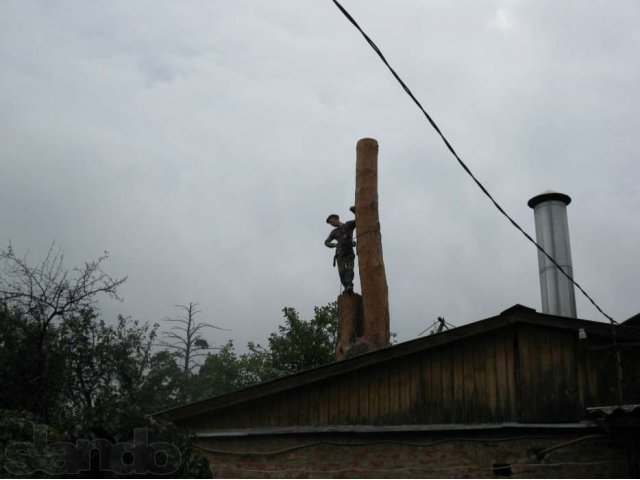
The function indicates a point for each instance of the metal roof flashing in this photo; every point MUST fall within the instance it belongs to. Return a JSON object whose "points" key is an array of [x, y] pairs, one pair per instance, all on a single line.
{"points": [[446, 427]]}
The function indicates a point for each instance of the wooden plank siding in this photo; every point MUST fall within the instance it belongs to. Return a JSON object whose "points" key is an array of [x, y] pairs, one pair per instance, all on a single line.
{"points": [[548, 375], [518, 373], [630, 357], [323, 389], [465, 382], [431, 406], [444, 357], [600, 373]]}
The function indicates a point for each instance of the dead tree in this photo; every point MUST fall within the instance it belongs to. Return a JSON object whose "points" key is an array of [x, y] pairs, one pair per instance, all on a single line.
{"points": [[187, 343]]}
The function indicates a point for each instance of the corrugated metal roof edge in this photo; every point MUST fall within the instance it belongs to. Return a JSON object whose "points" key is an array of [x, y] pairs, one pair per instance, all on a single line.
{"points": [[512, 315]]}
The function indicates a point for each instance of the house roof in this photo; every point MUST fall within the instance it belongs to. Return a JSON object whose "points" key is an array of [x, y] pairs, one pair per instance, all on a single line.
{"points": [[613, 410], [633, 321], [513, 315]]}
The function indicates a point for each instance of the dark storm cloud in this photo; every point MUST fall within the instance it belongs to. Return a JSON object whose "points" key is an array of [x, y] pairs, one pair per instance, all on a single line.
{"points": [[204, 143]]}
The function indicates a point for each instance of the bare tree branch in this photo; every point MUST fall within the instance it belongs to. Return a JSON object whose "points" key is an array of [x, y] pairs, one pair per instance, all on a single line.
{"points": [[48, 291], [190, 344]]}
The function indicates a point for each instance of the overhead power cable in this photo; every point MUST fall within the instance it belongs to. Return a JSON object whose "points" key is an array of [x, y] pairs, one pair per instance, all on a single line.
{"points": [[462, 164]]}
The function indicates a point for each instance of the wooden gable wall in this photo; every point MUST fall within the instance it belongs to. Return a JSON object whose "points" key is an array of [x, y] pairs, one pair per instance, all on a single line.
{"points": [[560, 376], [522, 372], [471, 380], [548, 372]]}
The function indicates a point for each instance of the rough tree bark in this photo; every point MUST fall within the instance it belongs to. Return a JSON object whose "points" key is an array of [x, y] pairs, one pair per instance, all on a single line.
{"points": [[373, 280], [350, 326]]}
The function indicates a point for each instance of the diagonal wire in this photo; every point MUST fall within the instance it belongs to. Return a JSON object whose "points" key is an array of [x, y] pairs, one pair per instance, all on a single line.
{"points": [[463, 165], [450, 324], [433, 324]]}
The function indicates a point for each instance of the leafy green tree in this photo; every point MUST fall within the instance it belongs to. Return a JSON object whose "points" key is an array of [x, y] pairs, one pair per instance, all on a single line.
{"points": [[164, 384], [300, 345], [226, 371], [297, 345], [256, 365], [20, 457], [111, 366], [20, 368], [115, 380], [42, 294], [65, 369], [220, 373], [90, 367], [16, 446], [94, 368]]}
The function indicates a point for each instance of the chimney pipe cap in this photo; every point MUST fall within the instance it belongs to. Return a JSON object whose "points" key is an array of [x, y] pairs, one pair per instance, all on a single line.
{"points": [[549, 195]]}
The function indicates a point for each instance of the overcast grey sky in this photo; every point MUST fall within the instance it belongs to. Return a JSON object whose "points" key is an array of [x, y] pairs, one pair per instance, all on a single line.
{"points": [[203, 144]]}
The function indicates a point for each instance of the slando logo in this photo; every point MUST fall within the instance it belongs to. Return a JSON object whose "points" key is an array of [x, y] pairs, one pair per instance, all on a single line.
{"points": [[122, 458]]}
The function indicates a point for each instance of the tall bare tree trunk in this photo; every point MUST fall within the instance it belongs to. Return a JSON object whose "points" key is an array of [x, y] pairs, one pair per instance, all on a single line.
{"points": [[373, 279]]}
